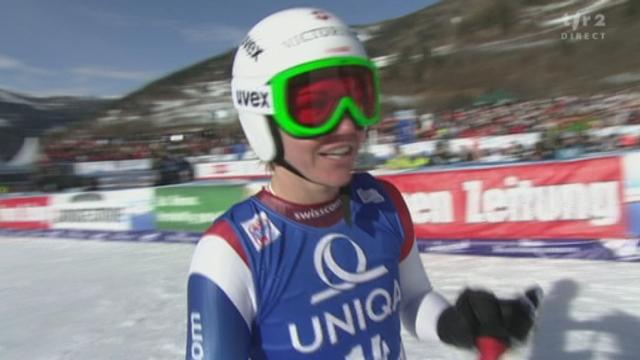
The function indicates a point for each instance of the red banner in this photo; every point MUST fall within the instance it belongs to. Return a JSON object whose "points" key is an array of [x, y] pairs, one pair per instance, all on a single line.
{"points": [[25, 213], [574, 199]]}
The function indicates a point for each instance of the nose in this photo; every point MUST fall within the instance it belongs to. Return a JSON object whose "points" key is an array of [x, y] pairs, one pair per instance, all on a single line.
{"points": [[347, 126]]}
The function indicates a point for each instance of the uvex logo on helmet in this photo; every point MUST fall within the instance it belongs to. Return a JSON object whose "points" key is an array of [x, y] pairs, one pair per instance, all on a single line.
{"points": [[251, 47], [252, 98], [256, 99]]}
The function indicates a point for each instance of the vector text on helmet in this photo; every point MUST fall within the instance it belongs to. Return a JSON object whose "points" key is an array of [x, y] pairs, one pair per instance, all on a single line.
{"points": [[316, 33]]}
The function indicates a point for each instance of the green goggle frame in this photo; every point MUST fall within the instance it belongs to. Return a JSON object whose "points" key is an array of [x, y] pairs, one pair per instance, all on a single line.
{"points": [[281, 114]]}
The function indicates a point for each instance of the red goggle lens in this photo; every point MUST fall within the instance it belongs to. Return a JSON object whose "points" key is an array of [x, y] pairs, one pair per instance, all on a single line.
{"points": [[313, 97]]}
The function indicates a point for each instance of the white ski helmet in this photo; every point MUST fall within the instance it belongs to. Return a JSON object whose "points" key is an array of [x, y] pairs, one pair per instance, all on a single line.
{"points": [[279, 42]]}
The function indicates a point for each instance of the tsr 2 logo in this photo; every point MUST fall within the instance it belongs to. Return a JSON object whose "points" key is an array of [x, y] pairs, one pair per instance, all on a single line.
{"points": [[580, 20], [579, 23]]}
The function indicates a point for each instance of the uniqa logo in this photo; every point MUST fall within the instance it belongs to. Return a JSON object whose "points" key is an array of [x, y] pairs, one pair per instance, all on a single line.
{"points": [[323, 259]]}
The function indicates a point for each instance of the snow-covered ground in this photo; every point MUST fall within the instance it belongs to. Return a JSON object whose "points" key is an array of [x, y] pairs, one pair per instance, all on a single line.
{"points": [[69, 299]]}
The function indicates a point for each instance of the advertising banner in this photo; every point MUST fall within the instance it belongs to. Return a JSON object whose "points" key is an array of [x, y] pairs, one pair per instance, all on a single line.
{"points": [[590, 249], [560, 200], [143, 236], [631, 167], [246, 169], [119, 210], [26, 213], [194, 208], [96, 167]]}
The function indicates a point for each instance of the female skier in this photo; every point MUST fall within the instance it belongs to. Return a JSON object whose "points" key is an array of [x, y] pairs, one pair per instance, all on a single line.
{"points": [[322, 263]]}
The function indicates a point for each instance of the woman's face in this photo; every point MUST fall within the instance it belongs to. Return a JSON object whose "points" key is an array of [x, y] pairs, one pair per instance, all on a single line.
{"points": [[328, 159]]}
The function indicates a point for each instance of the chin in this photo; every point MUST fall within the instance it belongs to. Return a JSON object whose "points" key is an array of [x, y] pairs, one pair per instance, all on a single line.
{"points": [[337, 179]]}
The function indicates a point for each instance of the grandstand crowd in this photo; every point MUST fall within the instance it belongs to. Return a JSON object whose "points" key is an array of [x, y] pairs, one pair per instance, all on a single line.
{"points": [[567, 126]]}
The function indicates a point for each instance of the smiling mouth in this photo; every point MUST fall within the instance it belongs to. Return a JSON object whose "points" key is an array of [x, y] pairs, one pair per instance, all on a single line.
{"points": [[338, 153]]}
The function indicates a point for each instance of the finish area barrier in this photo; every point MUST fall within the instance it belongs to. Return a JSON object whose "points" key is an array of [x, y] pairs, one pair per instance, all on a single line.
{"points": [[585, 208]]}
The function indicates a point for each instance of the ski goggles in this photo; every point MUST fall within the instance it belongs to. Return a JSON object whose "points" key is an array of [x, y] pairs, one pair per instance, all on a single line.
{"points": [[312, 99]]}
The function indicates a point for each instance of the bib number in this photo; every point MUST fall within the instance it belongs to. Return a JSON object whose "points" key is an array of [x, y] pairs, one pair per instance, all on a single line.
{"points": [[379, 348]]}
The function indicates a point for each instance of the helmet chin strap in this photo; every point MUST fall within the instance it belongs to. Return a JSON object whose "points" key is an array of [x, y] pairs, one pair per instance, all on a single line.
{"points": [[280, 160]]}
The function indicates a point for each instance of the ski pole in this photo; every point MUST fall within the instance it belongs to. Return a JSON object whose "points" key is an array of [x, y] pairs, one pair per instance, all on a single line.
{"points": [[490, 348]]}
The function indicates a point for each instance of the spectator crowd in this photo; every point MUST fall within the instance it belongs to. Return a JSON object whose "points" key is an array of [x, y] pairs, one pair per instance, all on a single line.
{"points": [[566, 126]]}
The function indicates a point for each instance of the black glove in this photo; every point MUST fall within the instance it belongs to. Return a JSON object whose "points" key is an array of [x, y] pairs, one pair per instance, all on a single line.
{"points": [[519, 314], [480, 313]]}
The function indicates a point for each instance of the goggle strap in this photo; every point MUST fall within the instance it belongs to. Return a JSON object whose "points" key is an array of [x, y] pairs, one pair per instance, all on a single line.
{"points": [[255, 99]]}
